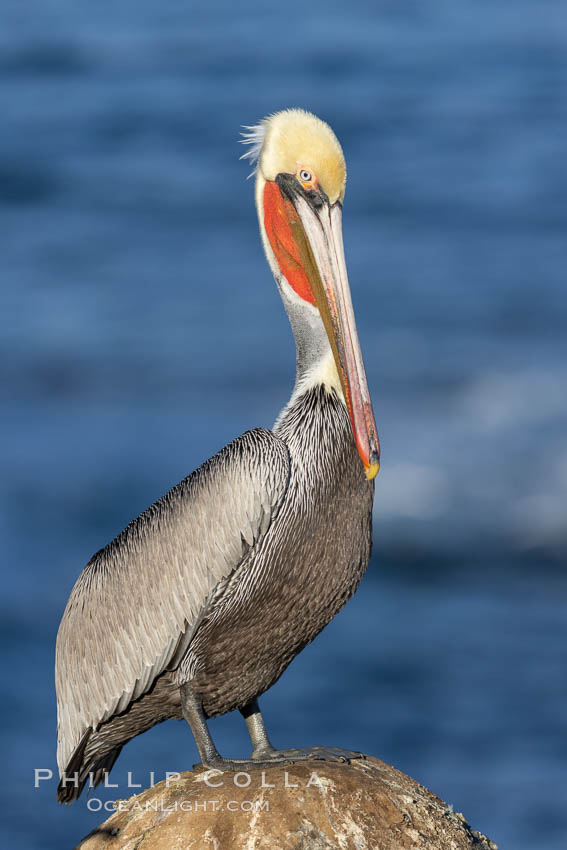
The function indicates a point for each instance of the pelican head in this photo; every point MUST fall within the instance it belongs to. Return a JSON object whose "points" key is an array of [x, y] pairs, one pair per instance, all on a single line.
{"points": [[300, 188]]}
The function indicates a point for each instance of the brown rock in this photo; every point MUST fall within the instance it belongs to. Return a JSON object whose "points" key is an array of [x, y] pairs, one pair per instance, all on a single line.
{"points": [[366, 805]]}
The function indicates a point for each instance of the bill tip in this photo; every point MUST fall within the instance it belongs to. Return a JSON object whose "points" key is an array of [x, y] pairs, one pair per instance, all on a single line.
{"points": [[371, 471]]}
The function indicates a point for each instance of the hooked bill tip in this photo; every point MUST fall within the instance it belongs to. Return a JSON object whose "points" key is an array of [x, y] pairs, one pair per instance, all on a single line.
{"points": [[371, 471]]}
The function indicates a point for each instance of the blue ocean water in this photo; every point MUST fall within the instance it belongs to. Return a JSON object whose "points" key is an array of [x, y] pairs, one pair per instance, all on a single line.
{"points": [[141, 331]]}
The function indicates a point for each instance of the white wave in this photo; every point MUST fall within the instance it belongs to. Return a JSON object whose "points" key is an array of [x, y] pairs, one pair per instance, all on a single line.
{"points": [[506, 400], [410, 490]]}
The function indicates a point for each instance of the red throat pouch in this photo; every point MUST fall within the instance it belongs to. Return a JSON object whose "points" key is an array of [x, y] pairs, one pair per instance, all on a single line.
{"points": [[279, 213]]}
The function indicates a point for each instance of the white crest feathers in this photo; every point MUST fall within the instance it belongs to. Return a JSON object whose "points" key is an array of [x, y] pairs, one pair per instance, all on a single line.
{"points": [[254, 137]]}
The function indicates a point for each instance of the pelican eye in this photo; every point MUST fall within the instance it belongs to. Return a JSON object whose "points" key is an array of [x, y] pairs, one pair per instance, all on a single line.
{"points": [[307, 179]]}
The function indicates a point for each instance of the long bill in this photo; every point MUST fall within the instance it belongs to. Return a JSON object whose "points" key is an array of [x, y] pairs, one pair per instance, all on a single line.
{"points": [[317, 232]]}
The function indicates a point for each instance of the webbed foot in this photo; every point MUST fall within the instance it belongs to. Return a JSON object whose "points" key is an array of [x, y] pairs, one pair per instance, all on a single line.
{"points": [[267, 757]]}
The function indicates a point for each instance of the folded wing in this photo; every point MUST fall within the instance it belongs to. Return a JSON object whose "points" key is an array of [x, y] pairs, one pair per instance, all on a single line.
{"points": [[131, 611]]}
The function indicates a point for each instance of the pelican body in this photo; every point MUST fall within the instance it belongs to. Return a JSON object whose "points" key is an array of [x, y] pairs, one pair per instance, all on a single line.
{"points": [[199, 605]]}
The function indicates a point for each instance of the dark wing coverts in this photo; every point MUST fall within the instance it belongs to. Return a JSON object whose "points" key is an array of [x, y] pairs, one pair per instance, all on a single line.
{"points": [[131, 611]]}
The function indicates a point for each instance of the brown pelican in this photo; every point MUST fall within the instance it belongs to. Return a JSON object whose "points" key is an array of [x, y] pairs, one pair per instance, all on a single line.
{"points": [[199, 605]]}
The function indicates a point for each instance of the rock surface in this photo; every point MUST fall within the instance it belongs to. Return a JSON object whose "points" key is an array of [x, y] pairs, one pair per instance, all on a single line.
{"points": [[365, 805]]}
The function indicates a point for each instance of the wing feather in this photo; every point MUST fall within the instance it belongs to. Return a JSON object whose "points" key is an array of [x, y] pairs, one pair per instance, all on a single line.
{"points": [[133, 609]]}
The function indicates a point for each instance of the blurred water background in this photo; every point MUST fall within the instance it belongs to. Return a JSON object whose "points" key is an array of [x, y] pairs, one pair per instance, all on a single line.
{"points": [[141, 331]]}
